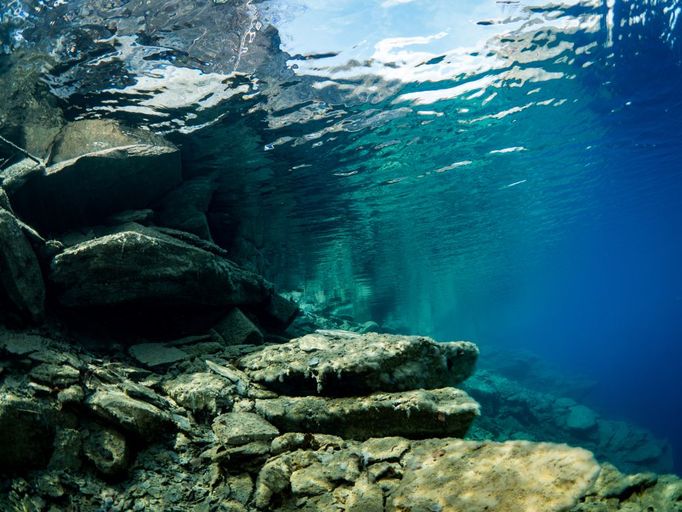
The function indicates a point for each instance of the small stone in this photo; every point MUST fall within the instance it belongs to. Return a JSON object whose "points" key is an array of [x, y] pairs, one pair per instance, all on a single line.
{"points": [[238, 428], [108, 450], [71, 395], [55, 375], [157, 354]]}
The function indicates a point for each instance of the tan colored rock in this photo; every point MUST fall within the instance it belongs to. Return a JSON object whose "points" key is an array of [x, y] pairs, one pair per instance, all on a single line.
{"points": [[466, 476]]}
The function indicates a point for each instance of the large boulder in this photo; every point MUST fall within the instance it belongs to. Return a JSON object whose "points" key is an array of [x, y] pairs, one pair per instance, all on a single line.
{"points": [[412, 414], [342, 363], [20, 275], [147, 267], [86, 189]]}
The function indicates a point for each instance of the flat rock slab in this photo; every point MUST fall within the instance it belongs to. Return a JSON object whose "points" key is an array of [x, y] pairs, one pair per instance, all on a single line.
{"points": [[419, 414], [143, 266], [341, 363], [239, 428], [157, 354], [86, 189], [20, 275]]}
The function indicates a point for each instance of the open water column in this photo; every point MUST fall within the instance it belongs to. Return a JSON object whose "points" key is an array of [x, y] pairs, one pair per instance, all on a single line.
{"points": [[242, 240]]}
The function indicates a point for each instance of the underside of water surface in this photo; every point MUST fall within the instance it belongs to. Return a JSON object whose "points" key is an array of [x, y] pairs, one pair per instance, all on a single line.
{"points": [[501, 171]]}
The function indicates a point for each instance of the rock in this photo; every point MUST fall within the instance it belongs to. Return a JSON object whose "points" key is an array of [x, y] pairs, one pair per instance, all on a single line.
{"points": [[581, 418], [412, 414], [340, 363], [26, 434], [185, 207], [201, 393], [4, 201], [108, 450], [157, 354], [469, 476], [20, 344], [146, 267], [130, 414], [237, 329], [67, 450], [55, 375], [239, 428], [84, 136], [20, 275], [86, 189], [278, 312]]}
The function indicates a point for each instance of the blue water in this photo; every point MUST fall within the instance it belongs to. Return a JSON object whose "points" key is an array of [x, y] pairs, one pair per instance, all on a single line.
{"points": [[506, 172]]}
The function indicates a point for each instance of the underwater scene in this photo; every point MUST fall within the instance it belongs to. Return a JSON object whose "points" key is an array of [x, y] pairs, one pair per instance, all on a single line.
{"points": [[344, 256]]}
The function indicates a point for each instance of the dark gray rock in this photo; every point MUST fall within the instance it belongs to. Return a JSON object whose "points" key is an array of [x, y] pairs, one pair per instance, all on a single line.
{"points": [[55, 375], [157, 354], [87, 189], [185, 207], [134, 267], [4, 200], [26, 434], [20, 275], [342, 363], [237, 329], [417, 414]]}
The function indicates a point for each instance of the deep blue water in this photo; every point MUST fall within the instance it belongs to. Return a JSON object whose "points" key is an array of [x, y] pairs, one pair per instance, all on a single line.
{"points": [[506, 172]]}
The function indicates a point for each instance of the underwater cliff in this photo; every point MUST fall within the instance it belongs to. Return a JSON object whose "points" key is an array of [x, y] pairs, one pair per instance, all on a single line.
{"points": [[237, 238]]}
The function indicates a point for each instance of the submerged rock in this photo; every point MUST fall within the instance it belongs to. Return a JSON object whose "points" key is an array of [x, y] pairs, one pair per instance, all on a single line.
{"points": [[157, 354], [140, 418], [26, 434], [417, 414], [20, 275], [138, 267], [237, 329], [341, 363], [88, 188], [511, 476], [185, 207], [239, 428]]}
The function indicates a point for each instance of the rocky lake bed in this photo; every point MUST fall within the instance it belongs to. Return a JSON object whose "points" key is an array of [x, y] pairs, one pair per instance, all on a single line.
{"points": [[143, 369]]}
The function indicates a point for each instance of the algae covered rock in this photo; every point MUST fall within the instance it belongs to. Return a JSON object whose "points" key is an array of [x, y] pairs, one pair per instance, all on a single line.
{"points": [[341, 363], [239, 428], [413, 414], [20, 275]]}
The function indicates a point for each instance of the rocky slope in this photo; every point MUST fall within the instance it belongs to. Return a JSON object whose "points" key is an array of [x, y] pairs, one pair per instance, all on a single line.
{"points": [[142, 369]]}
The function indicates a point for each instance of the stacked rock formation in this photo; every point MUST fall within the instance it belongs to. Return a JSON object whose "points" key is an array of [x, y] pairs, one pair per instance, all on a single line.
{"points": [[142, 370]]}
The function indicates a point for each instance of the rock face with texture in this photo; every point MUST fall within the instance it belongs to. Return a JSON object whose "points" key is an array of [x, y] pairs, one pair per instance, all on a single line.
{"points": [[239, 428], [185, 207], [413, 414], [341, 363], [146, 266], [88, 188], [20, 275]]}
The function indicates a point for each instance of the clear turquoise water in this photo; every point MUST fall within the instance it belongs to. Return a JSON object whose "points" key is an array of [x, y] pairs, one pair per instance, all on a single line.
{"points": [[506, 171]]}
